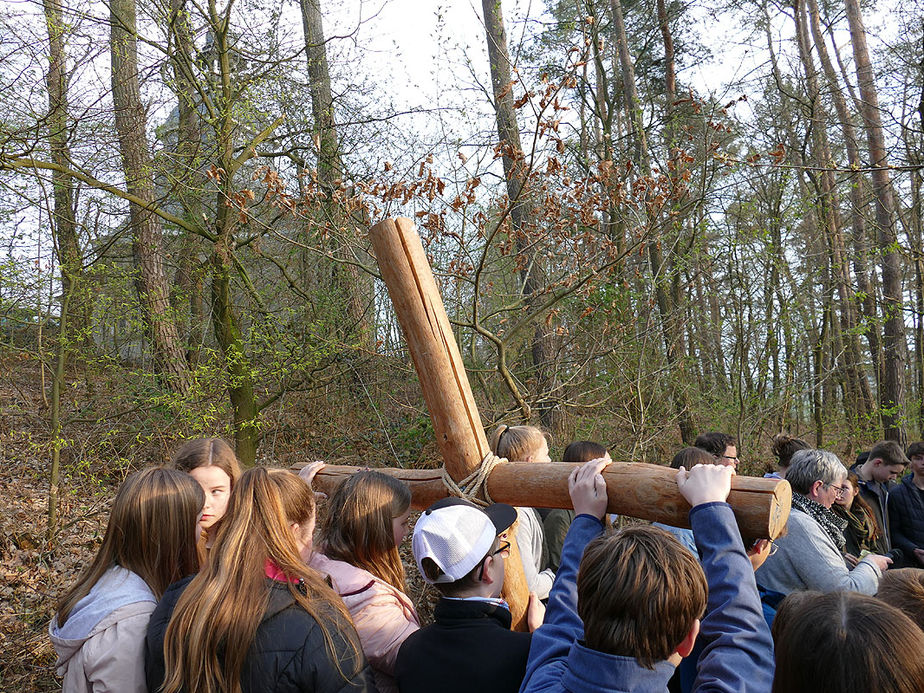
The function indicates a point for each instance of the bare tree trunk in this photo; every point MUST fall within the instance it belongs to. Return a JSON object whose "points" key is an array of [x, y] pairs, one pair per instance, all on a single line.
{"points": [[147, 245], [867, 303], [225, 321], [892, 395], [188, 175], [64, 233], [348, 284], [858, 399], [515, 171], [671, 327]]}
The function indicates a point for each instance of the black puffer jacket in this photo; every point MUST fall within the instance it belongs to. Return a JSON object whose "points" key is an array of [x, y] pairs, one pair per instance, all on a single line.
{"points": [[906, 515], [288, 653]]}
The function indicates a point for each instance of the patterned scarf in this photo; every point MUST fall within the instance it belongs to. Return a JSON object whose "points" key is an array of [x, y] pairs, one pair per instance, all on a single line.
{"points": [[830, 523]]}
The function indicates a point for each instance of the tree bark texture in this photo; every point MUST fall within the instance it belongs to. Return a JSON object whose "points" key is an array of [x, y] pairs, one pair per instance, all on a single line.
{"points": [[634, 489], [147, 243], [858, 399], [515, 170], [892, 394], [349, 286]]}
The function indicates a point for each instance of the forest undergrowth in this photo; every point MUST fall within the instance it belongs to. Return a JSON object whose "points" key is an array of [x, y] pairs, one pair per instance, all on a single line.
{"points": [[100, 453]]}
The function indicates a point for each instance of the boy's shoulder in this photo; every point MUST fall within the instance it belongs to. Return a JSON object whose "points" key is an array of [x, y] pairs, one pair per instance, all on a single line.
{"points": [[465, 631]]}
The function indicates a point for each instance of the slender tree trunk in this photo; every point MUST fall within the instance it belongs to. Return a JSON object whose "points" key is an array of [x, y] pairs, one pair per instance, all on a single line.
{"points": [[671, 327], [225, 323], [892, 395], [188, 178], [147, 244], [64, 232], [866, 304], [858, 400], [350, 287], [515, 170]]}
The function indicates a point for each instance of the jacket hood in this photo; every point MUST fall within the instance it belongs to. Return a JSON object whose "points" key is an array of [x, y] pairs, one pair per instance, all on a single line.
{"points": [[117, 588]]}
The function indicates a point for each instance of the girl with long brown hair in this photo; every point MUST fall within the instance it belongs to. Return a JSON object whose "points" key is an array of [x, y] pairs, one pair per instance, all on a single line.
{"points": [[150, 542], [862, 532], [214, 466], [367, 520], [257, 617]]}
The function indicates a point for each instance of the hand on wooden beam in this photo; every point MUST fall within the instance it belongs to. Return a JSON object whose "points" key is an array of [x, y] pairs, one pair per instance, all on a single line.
{"points": [[587, 488], [705, 483]]}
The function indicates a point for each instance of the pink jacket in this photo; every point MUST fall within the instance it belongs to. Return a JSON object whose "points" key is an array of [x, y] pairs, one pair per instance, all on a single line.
{"points": [[383, 615]]}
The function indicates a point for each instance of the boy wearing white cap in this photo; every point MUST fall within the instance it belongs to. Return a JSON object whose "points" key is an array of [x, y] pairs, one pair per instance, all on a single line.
{"points": [[460, 549]]}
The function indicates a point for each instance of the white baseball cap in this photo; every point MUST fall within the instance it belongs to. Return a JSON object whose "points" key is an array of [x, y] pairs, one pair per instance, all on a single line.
{"points": [[457, 535]]}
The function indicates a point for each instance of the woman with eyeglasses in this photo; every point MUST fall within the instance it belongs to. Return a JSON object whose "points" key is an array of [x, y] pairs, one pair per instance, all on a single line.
{"points": [[862, 533], [810, 555]]}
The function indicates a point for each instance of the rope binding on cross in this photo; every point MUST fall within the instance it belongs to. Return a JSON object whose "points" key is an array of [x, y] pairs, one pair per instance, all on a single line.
{"points": [[475, 485]]}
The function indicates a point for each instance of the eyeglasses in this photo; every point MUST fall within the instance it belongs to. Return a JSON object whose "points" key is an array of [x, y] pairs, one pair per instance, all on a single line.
{"points": [[503, 550], [839, 491], [735, 460], [773, 546]]}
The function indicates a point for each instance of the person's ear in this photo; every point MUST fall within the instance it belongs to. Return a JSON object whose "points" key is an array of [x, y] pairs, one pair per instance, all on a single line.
{"points": [[686, 645], [486, 572], [816, 487]]}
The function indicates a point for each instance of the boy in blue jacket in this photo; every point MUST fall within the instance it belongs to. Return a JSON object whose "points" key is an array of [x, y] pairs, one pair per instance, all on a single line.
{"points": [[630, 614]]}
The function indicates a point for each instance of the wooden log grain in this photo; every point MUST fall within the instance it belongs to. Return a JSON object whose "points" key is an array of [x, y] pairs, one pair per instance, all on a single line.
{"points": [[443, 381], [432, 344], [645, 491]]}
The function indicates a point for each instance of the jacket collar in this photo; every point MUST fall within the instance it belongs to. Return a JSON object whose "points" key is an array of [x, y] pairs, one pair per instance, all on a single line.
{"points": [[449, 610], [592, 671]]}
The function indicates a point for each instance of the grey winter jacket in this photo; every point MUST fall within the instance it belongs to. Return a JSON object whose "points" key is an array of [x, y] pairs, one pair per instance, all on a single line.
{"points": [[807, 559]]}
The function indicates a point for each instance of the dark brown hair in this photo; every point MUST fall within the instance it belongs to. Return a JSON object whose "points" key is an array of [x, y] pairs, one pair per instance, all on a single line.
{"points": [[715, 442], [845, 641], [690, 457], [785, 446], [358, 525], [150, 532], [864, 506], [583, 451], [904, 589], [639, 594]]}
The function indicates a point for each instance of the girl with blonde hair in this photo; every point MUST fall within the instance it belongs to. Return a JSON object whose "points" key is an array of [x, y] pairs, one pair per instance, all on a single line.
{"points": [[527, 444], [366, 522], [150, 542], [257, 617]]}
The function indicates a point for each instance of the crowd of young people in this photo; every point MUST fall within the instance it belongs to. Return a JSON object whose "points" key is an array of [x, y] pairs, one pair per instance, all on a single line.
{"points": [[209, 579]]}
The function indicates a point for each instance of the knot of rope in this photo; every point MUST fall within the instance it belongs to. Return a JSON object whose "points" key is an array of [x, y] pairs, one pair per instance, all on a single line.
{"points": [[475, 484]]}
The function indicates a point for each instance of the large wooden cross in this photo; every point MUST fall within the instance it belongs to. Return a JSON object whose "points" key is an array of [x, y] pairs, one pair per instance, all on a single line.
{"points": [[645, 491]]}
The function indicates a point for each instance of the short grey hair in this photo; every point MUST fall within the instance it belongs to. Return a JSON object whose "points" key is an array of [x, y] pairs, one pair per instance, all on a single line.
{"points": [[809, 466]]}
